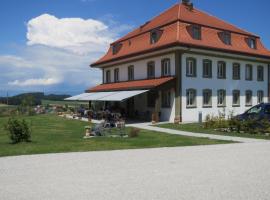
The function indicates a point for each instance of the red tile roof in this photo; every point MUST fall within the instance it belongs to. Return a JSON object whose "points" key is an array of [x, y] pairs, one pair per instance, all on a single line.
{"points": [[174, 24], [131, 85]]}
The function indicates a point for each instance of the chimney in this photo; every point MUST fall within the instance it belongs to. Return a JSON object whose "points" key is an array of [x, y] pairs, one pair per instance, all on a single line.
{"points": [[188, 4]]}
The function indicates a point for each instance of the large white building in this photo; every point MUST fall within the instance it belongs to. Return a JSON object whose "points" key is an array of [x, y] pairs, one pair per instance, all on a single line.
{"points": [[182, 63]]}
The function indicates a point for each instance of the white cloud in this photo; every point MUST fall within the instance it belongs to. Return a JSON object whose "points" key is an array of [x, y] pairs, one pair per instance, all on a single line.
{"points": [[35, 82], [15, 61], [73, 34], [58, 54]]}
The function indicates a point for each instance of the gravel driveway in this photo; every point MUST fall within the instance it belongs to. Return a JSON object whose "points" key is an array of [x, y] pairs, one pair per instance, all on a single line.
{"points": [[223, 172]]}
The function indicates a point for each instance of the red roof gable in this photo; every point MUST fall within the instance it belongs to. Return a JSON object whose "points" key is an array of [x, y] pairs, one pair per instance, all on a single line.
{"points": [[131, 85], [174, 24]]}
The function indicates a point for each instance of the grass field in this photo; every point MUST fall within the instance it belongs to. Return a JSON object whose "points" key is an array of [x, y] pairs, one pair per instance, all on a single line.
{"points": [[70, 103], [52, 134], [197, 128]]}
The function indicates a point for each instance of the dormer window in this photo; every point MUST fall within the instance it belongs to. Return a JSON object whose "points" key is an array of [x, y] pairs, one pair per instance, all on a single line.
{"points": [[116, 48], [155, 36], [196, 32], [226, 37], [252, 43]]}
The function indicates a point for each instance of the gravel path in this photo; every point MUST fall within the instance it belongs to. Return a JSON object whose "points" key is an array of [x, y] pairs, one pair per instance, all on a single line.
{"points": [[223, 172], [148, 126]]}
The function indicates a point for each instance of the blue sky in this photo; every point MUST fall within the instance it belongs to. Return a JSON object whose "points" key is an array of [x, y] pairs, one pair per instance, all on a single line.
{"points": [[47, 45]]}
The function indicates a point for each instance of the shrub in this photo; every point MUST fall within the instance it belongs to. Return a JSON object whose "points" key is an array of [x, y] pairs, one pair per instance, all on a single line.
{"points": [[18, 130], [134, 132]]}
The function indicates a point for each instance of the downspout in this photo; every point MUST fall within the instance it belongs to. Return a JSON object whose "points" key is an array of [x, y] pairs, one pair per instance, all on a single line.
{"points": [[178, 87]]}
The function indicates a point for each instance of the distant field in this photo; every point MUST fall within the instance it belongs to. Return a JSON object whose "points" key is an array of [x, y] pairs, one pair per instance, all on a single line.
{"points": [[70, 103], [5, 106]]}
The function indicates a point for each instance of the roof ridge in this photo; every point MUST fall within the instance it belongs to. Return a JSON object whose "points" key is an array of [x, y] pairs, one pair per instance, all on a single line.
{"points": [[226, 22]]}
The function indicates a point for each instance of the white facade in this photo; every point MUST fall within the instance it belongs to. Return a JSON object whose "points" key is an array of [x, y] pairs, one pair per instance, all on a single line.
{"points": [[199, 84], [140, 68]]}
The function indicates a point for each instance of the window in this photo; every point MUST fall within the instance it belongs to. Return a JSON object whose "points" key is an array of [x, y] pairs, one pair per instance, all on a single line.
{"points": [[248, 98], [260, 96], [236, 71], [116, 75], [251, 43], [191, 98], [260, 73], [116, 48], [151, 70], [221, 95], [166, 99], [226, 37], [108, 76], [131, 73], [236, 98], [165, 67], [221, 70], [196, 32], [151, 99], [249, 72], [207, 98], [207, 69], [154, 36], [191, 67]]}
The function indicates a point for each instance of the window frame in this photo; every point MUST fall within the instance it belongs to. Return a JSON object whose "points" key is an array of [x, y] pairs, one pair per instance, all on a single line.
{"points": [[207, 61], [258, 97], [149, 65], [209, 105], [197, 28], [238, 100], [116, 75], [194, 61], [224, 98], [236, 65], [108, 76], [251, 72], [167, 67], [260, 79], [226, 37], [252, 43], [166, 99], [194, 105], [131, 73], [249, 104], [223, 69]]}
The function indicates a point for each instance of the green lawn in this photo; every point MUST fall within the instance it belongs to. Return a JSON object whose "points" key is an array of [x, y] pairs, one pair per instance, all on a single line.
{"points": [[52, 134], [197, 128]]}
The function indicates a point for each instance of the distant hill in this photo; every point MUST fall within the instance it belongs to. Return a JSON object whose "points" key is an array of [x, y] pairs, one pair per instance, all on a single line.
{"points": [[37, 98]]}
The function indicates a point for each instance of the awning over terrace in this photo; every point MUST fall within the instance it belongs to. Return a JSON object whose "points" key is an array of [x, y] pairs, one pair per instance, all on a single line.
{"points": [[106, 96]]}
